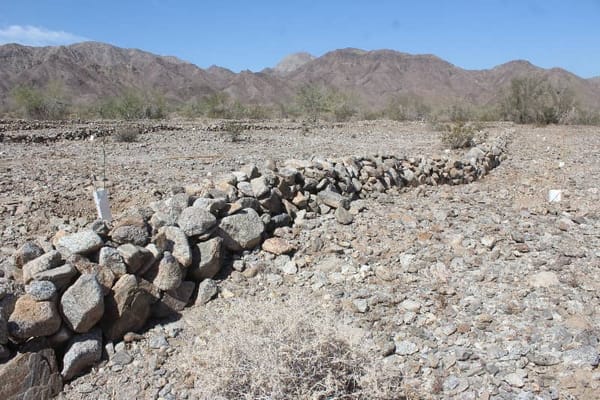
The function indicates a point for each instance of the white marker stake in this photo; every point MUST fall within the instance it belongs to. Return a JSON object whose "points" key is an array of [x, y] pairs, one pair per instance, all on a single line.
{"points": [[102, 205], [554, 196]]}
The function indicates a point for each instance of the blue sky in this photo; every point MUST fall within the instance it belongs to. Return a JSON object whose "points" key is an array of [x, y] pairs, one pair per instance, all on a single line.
{"points": [[257, 34]]}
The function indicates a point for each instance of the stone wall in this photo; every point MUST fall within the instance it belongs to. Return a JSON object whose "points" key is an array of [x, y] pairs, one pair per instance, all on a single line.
{"points": [[97, 285]]}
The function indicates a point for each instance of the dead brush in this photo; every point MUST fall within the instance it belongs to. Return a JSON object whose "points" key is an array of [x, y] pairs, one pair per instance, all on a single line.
{"points": [[458, 135], [288, 350], [126, 134]]}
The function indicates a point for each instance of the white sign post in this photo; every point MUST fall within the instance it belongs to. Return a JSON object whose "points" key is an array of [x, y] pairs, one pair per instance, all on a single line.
{"points": [[102, 204]]}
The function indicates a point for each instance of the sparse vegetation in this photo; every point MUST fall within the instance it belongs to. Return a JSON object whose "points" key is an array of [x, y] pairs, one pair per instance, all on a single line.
{"points": [[234, 130], [49, 103], [288, 350], [406, 108], [458, 135], [126, 134], [534, 100], [133, 104]]}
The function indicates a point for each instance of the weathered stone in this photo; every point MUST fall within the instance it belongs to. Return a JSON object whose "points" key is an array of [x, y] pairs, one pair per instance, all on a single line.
{"points": [[278, 246], [132, 230], [242, 231], [214, 206], [134, 257], [31, 375], [174, 300], [174, 240], [41, 290], [207, 259], [43, 263], [82, 304], [83, 352], [168, 274], [544, 279], [60, 276], [475, 153], [195, 221], [27, 252], [250, 170], [110, 257], [32, 318], [83, 242], [260, 187], [343, 216], [333, 199], [160, 219], [207, 289], [127, 307], [104, 276]]}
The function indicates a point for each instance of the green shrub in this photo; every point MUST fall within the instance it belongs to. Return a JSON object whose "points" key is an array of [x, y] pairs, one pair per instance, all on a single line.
{"points": [[406, 108], [133, 104]]}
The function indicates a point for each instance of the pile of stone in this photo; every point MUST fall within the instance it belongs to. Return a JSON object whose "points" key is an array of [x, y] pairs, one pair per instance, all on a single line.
{"points": [[105, 282]]}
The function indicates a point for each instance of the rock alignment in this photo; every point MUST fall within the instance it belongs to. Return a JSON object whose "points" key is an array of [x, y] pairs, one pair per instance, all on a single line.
{"points": [[104, 282]]}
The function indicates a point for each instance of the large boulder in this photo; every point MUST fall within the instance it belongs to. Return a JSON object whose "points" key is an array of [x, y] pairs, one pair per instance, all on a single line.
{"points": [[82, 304], [241, 231], [207, 259], [195, 221], [135, 257], [60, 276], [110, 258], [30, 375], [83, 242], [83, 351], [32, 318], [174, 240], [127, 307], [333, 199]]}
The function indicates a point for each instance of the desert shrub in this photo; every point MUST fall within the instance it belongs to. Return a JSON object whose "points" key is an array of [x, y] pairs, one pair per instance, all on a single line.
{"points": [[49, 103], [406, 108], [286, 350], [458, 135], [133, 104], [234, 130], [534, 100], [126, 134], [312, 101]]}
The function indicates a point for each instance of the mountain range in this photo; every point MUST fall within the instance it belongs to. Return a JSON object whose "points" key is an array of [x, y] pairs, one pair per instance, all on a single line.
{"points": [[91, 71]]}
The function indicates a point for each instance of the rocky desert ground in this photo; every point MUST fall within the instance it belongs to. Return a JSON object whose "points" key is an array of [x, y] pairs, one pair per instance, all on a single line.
{"points": [[477, 291]]}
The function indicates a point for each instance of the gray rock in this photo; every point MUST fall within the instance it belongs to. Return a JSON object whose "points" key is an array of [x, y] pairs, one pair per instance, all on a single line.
{"points": [[47, 261], [207, 289], [121, 358], [110, 257], [406, 347], [127, 307], [174, 240], [134, 257], [131, 230], [475, 153], [195, 221], [333, 199], [361, 305], [83, 242], [251, 171], [82, 353], [207, 259], [260, 187], [343, 216], [168, 274], [584, 356], [60, 276], [173, 301], [82, 304], [41, 290], [160, 219], [158, 341], [214, 206], [245, 188], [30, 375], [27, 252], [32, 318], [242, 231]]}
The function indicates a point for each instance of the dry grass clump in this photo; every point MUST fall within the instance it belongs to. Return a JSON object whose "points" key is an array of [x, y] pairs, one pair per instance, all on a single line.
{"points": [[286, 350]]}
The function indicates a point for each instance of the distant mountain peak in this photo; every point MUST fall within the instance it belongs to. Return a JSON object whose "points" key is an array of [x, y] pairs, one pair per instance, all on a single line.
{"points": [[292, 62]]}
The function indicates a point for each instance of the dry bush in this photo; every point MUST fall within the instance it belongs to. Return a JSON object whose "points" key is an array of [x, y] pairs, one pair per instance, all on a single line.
{"points": [[458, 135], [286, 350], [126, 134]]}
